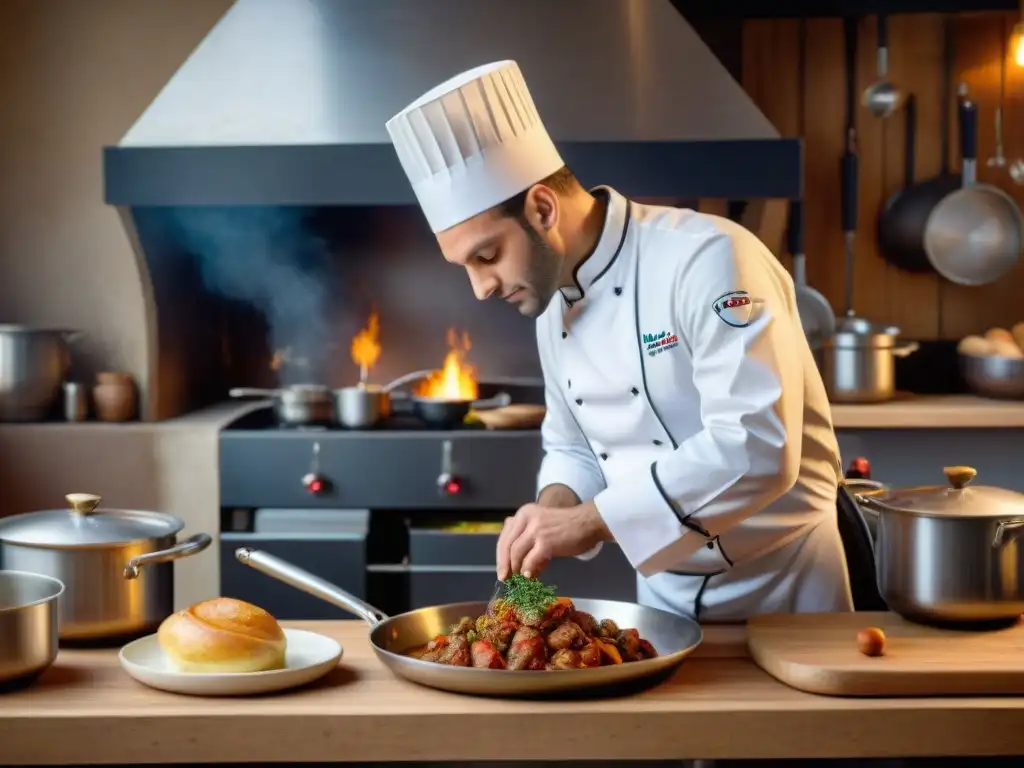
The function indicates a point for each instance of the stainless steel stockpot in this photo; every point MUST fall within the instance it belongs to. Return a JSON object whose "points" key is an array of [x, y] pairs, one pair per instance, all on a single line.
{"points": [[116, 564], [950, 553]]}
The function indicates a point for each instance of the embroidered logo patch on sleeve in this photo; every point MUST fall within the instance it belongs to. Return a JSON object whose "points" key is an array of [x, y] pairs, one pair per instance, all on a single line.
{"points": [[736, 308]]}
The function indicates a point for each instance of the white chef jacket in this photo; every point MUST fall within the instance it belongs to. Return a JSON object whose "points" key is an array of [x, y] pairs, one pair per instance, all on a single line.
{"points": [[683, 398]]}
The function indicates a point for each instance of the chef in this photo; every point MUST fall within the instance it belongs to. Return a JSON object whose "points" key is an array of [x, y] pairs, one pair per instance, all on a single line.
{"points": [[686, 419]]}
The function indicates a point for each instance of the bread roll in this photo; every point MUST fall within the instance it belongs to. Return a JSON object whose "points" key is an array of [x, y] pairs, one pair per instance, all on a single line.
{"points": [[223, 635], [974, 346], [1003, 348], [1018, 334], [999, 334]]}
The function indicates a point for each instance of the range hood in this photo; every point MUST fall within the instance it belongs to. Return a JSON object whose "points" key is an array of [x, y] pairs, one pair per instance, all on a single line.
{"points": [[284, 102]]}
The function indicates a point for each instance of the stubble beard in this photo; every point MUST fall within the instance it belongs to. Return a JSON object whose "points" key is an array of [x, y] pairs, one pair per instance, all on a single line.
{"points": [[542, 275]]}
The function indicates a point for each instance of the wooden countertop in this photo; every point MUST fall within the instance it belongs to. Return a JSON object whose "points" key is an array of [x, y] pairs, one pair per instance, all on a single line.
{"points": [[931, 411], [718, 705]]}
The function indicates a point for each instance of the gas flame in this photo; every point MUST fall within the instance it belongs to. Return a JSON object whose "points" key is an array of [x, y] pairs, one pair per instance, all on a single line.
{"points": [[456, 380], [365, 349]]}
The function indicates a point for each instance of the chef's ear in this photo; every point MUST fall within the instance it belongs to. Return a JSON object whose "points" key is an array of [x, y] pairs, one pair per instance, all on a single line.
{"points": [[541, 208]]}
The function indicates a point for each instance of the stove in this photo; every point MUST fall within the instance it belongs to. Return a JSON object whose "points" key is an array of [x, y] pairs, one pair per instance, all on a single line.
{"points": [[399, 464]]}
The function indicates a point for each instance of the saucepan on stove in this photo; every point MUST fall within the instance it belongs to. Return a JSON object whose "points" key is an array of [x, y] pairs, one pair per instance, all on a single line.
{"points": [[117, 564], [443, 413], [299, 405], [366, 405], [393, 638], [29, 615], [950, 554]]}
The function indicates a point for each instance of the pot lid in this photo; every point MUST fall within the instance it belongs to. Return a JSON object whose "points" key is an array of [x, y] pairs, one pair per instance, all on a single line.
{"points": [[83, 525], [859, 326], [955, 499]]}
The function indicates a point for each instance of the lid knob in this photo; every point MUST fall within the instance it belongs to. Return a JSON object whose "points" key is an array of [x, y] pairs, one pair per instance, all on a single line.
{"points": [[959, 477], [82, 503]]}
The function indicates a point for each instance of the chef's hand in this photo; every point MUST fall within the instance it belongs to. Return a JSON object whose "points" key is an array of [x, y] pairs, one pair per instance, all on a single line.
{"points": [[537, 533]]}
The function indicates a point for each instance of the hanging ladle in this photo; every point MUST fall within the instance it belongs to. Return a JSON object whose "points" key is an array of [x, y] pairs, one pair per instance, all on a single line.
{"points": [[882, 98]]}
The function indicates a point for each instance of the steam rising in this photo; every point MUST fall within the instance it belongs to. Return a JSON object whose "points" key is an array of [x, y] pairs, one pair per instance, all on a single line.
{"points": [[268, 258]]}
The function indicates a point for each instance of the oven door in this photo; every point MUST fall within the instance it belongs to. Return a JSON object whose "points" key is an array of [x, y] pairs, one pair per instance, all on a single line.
{"points": [[328, 543]]}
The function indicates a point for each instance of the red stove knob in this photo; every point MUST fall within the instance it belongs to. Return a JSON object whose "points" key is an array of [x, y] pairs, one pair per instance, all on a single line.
{"points": [[315, 483], [449, 485], [860, 469]]}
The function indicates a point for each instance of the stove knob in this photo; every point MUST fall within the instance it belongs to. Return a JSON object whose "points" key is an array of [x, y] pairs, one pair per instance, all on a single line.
{"points": [[315, 484], [449, 485]]}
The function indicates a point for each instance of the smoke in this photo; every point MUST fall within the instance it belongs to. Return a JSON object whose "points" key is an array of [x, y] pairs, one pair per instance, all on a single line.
{"points": [[268, 258]]}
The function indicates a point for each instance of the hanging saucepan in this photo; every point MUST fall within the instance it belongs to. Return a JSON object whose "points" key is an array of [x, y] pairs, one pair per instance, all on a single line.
{"points": [[298, 405], [950, 553], [901, 223], [974, 235], [441, 413], [117, 564]]}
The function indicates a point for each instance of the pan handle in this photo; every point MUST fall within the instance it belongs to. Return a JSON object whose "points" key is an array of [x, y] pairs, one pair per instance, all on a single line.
{"points": [[969, 141], [308, 583], [795, 233], [252, 392], [500, 400], [910, 152], [850, 173], [882, 53], [905, 350]]}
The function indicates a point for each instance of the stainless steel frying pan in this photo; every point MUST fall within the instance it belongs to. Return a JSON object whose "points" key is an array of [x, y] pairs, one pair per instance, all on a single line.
{"points": [[674, 637]]}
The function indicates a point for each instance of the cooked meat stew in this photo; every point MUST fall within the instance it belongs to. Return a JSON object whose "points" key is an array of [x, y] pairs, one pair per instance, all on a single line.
{"points": [[537, 632]]}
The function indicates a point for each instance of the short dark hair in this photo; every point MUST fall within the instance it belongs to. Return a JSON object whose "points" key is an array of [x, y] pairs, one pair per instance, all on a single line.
{"points": [[561, 181]]}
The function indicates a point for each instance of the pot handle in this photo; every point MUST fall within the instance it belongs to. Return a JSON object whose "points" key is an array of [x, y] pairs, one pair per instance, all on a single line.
{"points": [[904, 350], [309, 583], [500, 400], [193, 545], [1006, 532], [864, 500], [253, 392], [407, 378]]}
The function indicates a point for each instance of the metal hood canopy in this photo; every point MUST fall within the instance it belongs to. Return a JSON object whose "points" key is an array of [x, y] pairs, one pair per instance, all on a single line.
{"points": [[284, 101]]}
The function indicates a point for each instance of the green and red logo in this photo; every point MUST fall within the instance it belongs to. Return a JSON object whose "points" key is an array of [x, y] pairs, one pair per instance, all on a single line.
{"points": [[656, 343]]}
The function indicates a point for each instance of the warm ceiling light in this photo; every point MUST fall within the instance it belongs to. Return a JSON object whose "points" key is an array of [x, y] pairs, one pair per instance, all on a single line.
{"points": [[1017, 44]]}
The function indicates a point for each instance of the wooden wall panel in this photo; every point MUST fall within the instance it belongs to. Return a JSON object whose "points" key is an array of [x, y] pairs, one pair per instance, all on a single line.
{"points": [[823, 148], [924, 306]]}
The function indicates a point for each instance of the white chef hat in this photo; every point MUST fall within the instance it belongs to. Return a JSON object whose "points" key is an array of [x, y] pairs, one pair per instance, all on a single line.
{"points": [[471, 143]]}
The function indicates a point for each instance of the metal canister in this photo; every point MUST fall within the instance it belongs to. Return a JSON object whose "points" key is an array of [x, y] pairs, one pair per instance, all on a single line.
{"points": [[76, 401]]}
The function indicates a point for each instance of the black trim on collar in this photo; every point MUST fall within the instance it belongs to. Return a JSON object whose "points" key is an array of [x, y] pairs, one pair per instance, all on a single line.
{"points": [[618, 249]]}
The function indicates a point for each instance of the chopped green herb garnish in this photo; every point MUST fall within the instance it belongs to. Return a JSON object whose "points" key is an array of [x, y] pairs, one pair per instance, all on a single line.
{"points": [[530, 597], [471, 636]]}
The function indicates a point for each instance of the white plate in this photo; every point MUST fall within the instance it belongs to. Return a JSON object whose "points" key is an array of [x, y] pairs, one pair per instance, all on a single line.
{"points": [[309, 657]]}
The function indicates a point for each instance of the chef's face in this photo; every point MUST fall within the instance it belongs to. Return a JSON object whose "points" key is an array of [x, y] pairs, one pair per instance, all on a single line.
{"points": [[518, 259]]}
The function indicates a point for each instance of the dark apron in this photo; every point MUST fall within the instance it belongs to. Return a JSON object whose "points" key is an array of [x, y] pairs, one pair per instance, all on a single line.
{"points": [[860, 553]]}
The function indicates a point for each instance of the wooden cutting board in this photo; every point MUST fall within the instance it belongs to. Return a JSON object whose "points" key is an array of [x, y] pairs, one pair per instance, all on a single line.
{"points": [[818, 653]]}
